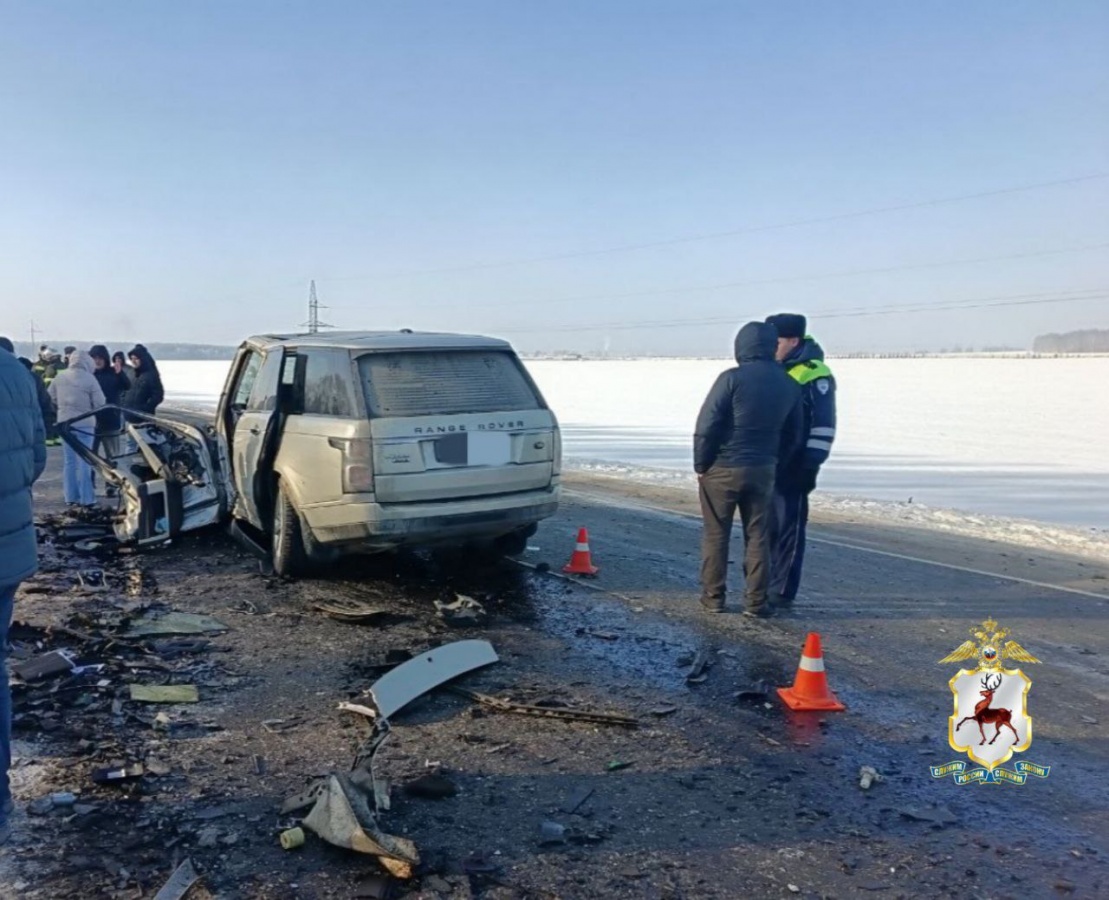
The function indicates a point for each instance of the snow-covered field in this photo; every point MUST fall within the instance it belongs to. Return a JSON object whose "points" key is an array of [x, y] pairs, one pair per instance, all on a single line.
{"points": [[995, 438]]}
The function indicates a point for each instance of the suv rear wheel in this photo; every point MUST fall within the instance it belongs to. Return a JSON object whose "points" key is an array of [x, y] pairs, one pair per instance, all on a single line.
{"points": [[289, 558]]}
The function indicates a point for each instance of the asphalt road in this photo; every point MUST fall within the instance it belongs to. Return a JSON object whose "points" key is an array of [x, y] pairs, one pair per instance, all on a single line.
{"points": [[723, 797]]}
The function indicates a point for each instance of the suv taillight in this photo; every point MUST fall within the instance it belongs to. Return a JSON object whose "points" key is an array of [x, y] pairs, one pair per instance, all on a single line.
{"points": [[358, 472]]}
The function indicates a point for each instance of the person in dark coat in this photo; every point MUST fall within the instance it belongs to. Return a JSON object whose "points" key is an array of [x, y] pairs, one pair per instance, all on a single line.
{"points": [[22, 459], [803, 360], [750, 419], [146, 391], [109, 422], [45, 404]]}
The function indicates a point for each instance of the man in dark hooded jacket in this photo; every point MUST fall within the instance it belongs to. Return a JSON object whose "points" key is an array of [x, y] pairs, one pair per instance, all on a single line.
{"points": [[146, 387], [750, 419], [803, 360]]}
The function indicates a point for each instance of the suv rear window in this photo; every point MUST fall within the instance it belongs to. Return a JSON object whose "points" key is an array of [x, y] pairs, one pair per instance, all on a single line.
{"points": [[444, 383]]}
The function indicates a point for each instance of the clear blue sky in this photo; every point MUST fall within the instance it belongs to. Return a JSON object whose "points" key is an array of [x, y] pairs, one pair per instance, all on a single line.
{"points": [[179, 171]]}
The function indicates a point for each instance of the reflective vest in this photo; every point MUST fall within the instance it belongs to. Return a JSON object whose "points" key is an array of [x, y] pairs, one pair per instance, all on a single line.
{"points": [[805, 372]]}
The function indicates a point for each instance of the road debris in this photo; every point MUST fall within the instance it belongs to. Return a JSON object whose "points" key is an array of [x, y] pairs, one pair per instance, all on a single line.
{"points": [[463, 611], [352, 611], [165, 693], [180, 882], [117, 774], [400, 686], [869, 775], [292, 839], [617, 764], [548, 712], [53, 663], [164, 623], [341, 816]]}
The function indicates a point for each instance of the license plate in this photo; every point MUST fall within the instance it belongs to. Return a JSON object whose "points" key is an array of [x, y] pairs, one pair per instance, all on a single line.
{"points": [[477, 449]]}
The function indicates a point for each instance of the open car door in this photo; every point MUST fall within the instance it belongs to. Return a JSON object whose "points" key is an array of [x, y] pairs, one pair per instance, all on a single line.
{"points": [[171, 475]]}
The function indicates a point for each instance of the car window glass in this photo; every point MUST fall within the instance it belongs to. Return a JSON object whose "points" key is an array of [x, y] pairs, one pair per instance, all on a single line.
{"points": [[264, 395], [444, 382], [246, 379], [327, 384]]}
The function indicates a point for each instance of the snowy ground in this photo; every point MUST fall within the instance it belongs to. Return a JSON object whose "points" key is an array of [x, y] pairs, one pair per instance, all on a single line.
{"points": [[970, 445]]}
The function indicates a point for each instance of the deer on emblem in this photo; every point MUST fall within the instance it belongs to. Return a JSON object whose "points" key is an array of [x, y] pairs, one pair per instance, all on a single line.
{"points": [[983, 714]]}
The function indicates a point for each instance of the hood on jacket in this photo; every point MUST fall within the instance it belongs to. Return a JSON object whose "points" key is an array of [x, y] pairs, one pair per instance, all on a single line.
{"points": [[756, 340], [79, 359], [146, 361], [99, 351], [807, 351]]}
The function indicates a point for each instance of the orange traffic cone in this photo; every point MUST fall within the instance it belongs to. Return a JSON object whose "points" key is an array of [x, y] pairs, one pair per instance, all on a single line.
{"points": [[581, 563], [810, 687]]}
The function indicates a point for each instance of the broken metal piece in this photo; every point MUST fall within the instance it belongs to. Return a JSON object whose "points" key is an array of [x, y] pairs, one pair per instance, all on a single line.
{"points": [[304, 799], [341, 816], [52, 663], [400, 686], [180, 882], [548, 712]]}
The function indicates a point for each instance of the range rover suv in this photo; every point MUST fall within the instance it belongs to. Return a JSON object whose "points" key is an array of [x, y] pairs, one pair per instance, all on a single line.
{"points": [[327, 444]]}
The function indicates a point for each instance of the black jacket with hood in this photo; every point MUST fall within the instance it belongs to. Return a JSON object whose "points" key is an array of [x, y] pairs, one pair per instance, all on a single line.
{"points": [[114, 385], [752, 416], [146, 388]]}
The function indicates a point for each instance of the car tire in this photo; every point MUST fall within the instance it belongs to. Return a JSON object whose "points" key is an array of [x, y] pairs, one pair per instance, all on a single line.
{"points": [[289, 557]]}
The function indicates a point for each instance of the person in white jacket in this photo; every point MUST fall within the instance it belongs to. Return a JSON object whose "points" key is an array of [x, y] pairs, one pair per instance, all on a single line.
{"points": [[76, 392]]}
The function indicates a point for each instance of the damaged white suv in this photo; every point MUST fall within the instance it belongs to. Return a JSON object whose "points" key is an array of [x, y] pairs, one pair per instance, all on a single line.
{"points": [[349, 443]]}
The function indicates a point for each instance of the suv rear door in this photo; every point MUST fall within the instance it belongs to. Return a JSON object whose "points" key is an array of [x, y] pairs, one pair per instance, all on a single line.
{"points": [[450, 424]]}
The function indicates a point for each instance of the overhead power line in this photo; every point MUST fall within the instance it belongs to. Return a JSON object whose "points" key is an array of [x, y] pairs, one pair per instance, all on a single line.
{"points": [[850, 312], [790, 279], [736, 232]]}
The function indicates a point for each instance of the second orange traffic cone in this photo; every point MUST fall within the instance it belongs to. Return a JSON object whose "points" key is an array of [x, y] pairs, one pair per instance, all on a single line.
{"points": [[581, 563], [810, 688]]}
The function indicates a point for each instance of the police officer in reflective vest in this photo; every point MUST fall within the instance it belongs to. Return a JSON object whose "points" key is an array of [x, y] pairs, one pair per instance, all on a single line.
{"points": [[803, 359]]}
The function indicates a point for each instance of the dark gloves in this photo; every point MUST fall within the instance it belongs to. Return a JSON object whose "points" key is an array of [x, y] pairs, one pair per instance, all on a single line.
{"points": [[806, 480], [797, 481]]}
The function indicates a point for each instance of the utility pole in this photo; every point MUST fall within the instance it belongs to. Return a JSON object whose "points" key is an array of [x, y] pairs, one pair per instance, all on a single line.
{"points": [[34, 331], [314, 306]]}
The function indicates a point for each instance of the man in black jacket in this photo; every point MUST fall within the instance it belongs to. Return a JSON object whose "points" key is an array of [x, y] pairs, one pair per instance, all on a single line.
{"points": [[109, 422], [803, 359], [751, 419]]}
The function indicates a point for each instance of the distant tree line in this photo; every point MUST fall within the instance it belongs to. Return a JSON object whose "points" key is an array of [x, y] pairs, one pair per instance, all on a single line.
{"points": [[160, 350], [1088, 340]]}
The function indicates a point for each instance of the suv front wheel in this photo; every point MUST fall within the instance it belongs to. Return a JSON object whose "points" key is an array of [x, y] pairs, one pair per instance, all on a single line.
{"points": [[289, 558]]}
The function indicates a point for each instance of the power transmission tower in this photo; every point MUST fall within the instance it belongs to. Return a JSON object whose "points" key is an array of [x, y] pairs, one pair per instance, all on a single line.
{"points": [[314, 306], [34, 331]]}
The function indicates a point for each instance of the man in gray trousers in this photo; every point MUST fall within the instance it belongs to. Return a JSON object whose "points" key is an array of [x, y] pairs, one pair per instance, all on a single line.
{"points": [[22, 459], [751, 418]]}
